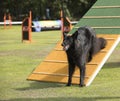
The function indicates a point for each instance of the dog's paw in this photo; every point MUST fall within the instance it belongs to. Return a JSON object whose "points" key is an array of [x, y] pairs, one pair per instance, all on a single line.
{"points": [[68, 85], [82, 85]]}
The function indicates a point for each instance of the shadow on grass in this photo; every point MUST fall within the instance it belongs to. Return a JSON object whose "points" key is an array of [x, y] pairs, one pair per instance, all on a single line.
{"points": [[41, 85], [112, 65], [68, 99]]}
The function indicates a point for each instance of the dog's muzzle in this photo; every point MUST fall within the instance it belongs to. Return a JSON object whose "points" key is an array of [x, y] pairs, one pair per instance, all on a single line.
{"points": [[65, 47]]}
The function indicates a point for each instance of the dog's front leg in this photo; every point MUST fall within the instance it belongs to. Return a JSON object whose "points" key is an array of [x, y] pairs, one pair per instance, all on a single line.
{"points": [[82, 68], [82, 75], [71, 70]]}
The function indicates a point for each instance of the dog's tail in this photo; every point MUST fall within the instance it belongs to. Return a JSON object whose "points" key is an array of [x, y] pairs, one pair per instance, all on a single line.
{"points": [[103, 42]]}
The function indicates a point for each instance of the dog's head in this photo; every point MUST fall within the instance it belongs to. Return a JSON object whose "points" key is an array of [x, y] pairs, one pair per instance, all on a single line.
{"points": [[67, 41]]}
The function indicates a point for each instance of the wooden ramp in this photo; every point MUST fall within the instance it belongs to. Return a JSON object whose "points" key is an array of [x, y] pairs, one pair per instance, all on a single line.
{"points": [[55, 67]]}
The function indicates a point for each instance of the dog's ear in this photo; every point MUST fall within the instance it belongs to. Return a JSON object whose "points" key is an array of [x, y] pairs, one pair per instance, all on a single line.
{"points": [[64, 35], [74, 35]]}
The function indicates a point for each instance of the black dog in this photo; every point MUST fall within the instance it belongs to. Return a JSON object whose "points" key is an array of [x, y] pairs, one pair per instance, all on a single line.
{"points": [[80, 48]]}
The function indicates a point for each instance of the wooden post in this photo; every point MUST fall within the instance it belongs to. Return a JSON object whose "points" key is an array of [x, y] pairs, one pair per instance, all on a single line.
{"points": [[10, 20], [26, 28], [30, 26], [4, 20], [7, 20], [62, 23], [66, 25]]}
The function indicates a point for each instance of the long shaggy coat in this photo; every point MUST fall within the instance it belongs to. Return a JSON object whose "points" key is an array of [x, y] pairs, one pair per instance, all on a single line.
{"points": [[80, 48]]}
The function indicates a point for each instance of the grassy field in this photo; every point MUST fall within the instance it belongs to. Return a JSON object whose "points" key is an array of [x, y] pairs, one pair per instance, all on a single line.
{"points": [[17, 60]]}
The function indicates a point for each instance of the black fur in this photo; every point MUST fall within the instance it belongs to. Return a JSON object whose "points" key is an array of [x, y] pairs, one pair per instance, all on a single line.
{"points": [[80, 48]]}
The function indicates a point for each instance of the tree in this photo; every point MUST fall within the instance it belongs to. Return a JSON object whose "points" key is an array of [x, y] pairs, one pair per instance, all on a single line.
{"points": [[20, 8]]}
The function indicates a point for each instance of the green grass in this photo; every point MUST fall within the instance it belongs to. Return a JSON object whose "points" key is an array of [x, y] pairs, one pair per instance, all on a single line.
{"points": [[17, 60]]}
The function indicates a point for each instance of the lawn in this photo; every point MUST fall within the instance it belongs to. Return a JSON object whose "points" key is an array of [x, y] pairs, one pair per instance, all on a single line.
{"points": [[17, 60]]}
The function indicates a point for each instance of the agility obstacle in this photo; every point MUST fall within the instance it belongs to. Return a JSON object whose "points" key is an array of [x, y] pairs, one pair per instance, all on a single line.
{"points": [[28, 25], [66, 25], [54, 68], [26, 28], [46, 25], [7, 20]]}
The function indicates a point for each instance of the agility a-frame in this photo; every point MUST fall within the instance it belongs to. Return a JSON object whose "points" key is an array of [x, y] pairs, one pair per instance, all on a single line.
{"points": [[54, 68]]}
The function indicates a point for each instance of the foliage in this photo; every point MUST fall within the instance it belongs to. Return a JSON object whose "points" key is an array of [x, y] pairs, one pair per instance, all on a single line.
{"points": [[20, 8]]}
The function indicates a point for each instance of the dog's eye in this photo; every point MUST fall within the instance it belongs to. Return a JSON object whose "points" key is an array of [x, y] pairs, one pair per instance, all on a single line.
{"points": [[62, 44]]}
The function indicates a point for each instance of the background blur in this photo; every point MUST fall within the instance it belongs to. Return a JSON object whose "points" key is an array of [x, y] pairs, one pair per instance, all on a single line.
{"points": [[44, 9]]}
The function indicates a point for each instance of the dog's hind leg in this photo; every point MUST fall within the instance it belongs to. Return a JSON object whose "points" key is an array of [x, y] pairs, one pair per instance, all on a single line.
{"points": [[91, 50], [71, 71], [90, 55]]}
